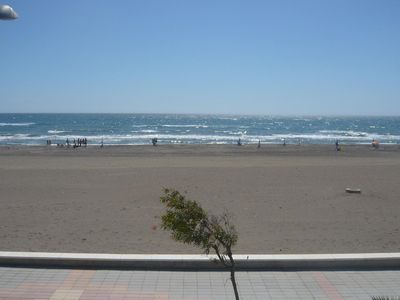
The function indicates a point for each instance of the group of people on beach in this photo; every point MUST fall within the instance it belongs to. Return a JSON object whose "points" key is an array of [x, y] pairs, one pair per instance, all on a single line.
{"points": [[79, 142], [239, 143], [374, 144]]}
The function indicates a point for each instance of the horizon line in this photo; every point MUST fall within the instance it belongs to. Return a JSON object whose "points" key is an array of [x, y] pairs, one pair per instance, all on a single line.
{"points": [[205, 114]]}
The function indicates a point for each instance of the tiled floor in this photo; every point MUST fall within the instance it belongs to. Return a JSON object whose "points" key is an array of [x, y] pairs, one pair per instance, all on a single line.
{"points": [[60, 284]]}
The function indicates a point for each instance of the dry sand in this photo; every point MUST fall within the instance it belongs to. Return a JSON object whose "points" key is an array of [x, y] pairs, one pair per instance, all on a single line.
{"points": [[284, 199]]}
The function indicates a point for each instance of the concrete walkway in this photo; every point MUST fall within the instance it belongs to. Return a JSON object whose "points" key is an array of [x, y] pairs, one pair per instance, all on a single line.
{"points": [[73, 284]]}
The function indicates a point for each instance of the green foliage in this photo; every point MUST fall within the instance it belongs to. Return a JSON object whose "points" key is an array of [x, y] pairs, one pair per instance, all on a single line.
{"points": [[189, 223], [183, 218]]}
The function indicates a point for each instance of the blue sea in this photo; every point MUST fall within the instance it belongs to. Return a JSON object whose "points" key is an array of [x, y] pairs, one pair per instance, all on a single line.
{"points": [[139, 129]]}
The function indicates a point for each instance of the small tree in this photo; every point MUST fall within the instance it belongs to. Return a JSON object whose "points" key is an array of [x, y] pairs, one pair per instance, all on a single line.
{"points": [[189, 223]]}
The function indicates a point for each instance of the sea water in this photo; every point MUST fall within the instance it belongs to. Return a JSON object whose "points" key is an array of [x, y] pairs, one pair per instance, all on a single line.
{"points": [[139, 129]]}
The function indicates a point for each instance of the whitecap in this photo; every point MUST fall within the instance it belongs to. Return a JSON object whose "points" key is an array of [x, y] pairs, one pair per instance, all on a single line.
{"points": [[186, 125], [145, 131], [56, 131], [17, 124]]}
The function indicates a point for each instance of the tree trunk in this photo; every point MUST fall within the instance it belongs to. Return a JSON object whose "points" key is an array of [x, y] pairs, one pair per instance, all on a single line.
{"points": [[233, 280]]}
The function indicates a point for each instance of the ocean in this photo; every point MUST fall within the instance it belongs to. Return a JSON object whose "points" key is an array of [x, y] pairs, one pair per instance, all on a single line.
{"points": [[139, 129]]}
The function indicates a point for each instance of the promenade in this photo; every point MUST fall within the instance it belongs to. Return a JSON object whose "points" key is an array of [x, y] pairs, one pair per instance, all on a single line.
{"points": [[74, 284]]}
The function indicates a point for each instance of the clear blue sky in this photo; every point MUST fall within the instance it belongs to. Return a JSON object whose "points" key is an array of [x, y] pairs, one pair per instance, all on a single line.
{"points": [[209, 56]]}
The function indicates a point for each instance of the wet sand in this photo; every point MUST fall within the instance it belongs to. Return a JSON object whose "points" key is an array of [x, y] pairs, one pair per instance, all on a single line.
{"points": [[283, 199]]}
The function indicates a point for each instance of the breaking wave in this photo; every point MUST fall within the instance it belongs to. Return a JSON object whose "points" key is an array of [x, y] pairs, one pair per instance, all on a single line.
{"points": [[141, 139]]}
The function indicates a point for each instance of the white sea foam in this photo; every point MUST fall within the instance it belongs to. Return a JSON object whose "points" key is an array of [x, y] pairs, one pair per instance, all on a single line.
{"points": [[342, 136], [148, 131], [56, 131], [21, 136], [17, 124], [186, 125], [345, 133], [132, 139], [227, 118]]}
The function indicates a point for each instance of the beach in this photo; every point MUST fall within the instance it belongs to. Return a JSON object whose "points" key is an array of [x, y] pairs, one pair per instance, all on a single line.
{"points": [[283, 199]]}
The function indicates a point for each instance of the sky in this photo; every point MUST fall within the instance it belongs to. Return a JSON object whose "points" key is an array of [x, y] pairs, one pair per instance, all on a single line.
{"points": [[283, 57]]}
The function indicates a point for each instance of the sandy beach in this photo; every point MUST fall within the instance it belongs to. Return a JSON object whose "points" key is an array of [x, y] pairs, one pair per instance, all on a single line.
{"points": [[283, 199]]}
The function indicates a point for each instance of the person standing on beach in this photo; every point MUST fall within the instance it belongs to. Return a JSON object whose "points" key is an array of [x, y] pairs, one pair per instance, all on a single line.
{"points": [[337, 145]]}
